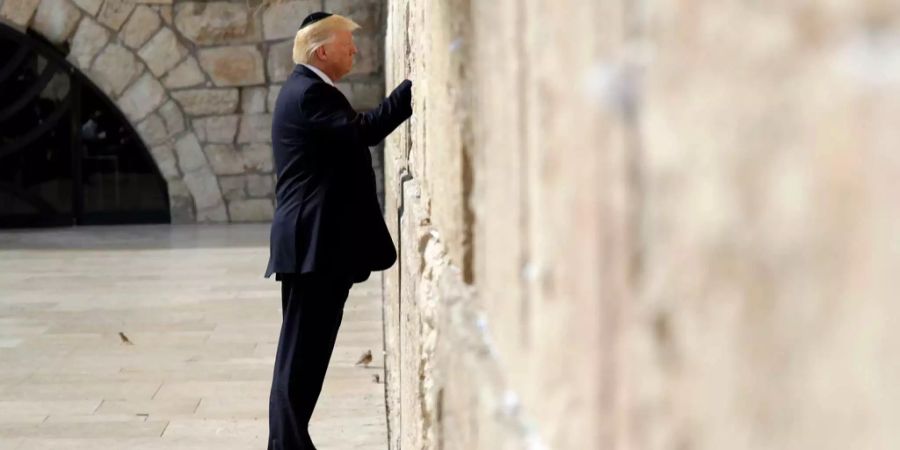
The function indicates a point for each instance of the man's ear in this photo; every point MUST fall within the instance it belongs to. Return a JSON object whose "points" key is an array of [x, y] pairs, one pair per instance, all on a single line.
{"points": [[321, 53]]}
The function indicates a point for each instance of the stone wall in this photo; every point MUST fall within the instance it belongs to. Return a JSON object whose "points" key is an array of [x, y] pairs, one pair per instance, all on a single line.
{"points": [[644, 224], [198, 80]]}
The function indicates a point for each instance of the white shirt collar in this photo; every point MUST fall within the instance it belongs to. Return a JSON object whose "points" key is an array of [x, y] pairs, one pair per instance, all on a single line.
{"points": [[319, 73]]}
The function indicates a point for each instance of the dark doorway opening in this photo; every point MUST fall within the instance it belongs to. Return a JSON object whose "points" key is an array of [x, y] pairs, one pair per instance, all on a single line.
{"points": [[68, 156]]}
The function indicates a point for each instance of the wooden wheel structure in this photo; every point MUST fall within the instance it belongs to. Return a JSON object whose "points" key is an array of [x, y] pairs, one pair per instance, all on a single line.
{"points": [[68, 156]]}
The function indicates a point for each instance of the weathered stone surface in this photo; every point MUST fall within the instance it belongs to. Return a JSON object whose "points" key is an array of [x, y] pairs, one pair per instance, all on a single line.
{"points": [[167, 14], [89, 6], [366, 13], [201, 102], [224, 159], [362, 95], [185, 74], [280, 63], [181, 202], [255, 128], [251, 210], [165, 160], [253, 100], [274, 90], [233, 66], [142, 97], [216, 129], [204, 187], [680, 260], [257, 157], [152, 130], [233, 187], [143, 23], [260, 185], [56, 19], [18, 12], [114, 69], [162, 52], [172, 117], [280, 18], [115, 12], [89, 38], [190, 154], [216, 22]]}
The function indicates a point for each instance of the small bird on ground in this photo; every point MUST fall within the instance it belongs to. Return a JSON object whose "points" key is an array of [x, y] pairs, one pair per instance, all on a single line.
{"points": [[376, 379], [366, 359], [125, 339]]}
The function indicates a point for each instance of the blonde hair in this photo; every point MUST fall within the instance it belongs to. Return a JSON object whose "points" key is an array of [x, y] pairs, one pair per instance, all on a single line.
{"points": [[313, 36]]}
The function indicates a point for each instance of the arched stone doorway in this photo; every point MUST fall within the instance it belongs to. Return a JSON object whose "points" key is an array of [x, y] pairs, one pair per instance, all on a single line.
{"points": [[67, 154], [197, 80]]}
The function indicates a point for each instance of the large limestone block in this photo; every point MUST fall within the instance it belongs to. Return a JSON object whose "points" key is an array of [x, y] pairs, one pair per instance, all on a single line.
{"points": [[204, 187], [19, 12], [114, 69], [216, 129], [204, 102], [281, 61], [152, 130], [251, 210], [91, 7], [56, 19], [185, 74], [115, 12], [274, 90], [190, 154], [165, 160], [142, 24], [89, 38], [181, 202], [162, 52], [257, 157], [253, 100], [366, 13], [260, 185], [247, 186], [233, 187], [167, 13], [255, 128], [233, 66], [172, 118], [216, 22], [224, 159], [282, 19], [142, 97]]}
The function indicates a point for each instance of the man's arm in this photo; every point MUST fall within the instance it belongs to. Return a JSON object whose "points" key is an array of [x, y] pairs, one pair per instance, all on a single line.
{"points": [[327, 114]]}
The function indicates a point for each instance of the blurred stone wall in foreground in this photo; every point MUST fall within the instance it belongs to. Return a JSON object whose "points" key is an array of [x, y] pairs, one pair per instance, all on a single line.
{"points": [[645, 225]]}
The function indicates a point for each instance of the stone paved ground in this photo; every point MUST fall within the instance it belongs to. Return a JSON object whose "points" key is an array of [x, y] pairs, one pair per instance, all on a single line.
{"points": [[202, 323]]}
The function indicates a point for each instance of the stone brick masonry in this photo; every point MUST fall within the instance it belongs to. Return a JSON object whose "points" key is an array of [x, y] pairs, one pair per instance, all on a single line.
{"points": [[198, 81], [644, 225]]}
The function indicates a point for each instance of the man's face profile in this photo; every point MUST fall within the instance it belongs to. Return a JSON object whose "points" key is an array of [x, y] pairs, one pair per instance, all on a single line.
{"points": [[339, 53]]}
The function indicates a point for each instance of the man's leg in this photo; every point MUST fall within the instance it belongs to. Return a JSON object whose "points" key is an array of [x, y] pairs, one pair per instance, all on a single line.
{"points": [[313, 308]]}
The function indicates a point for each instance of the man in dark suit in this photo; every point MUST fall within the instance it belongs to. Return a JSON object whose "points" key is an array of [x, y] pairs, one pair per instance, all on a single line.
{"points": [[328, 231]]}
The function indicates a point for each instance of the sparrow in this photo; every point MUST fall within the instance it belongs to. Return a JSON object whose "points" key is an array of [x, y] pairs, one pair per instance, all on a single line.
{"points": [[366, 359], [125, 339]]}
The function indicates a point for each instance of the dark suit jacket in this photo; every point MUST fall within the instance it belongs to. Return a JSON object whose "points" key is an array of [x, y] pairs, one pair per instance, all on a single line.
{"points": [[327, 217]]}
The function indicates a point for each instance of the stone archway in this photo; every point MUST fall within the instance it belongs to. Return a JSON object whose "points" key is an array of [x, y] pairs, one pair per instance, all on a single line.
{"points": [[197, 79], [209, 141]]}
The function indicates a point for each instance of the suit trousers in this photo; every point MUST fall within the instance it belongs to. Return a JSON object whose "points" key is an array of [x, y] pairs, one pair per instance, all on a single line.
{"points": [[312, 309]]}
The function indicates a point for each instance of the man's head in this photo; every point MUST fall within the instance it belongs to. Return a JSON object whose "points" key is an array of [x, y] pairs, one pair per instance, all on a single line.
{"points": [[326, 41]]}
